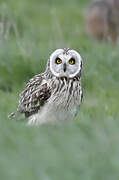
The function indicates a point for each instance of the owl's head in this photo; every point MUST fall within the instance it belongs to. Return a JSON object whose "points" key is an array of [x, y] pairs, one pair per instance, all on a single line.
{"points": [[65, 63]]}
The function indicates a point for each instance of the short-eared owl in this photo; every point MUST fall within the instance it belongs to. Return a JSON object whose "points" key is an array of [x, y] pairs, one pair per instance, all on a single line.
{"points": [[56, 94]]}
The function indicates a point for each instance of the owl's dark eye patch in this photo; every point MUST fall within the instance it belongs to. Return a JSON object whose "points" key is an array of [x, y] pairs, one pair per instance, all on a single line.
{"points": [[58, 60], [72, 61]]}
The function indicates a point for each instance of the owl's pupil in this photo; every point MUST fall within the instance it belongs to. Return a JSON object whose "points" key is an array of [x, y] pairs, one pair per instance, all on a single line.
{"points": [[58, 61], [72, 61]]}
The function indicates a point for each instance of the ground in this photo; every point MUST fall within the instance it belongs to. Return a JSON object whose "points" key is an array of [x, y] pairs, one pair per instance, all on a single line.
{"points": [[86, 149]]}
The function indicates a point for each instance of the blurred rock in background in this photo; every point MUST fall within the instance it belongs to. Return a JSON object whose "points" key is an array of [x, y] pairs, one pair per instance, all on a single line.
{"points": [[102, 20]]}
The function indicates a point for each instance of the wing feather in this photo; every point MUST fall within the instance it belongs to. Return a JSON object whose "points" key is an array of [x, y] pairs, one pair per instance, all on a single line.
{"points": [[35, 94]]}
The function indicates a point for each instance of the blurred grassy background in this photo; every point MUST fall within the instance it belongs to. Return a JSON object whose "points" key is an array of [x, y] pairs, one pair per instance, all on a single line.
{"points": [[86, 149]]}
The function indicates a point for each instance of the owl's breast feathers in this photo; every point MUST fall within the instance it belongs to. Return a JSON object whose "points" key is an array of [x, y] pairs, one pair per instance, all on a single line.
{"points": [[34, 96], [40, 90]]}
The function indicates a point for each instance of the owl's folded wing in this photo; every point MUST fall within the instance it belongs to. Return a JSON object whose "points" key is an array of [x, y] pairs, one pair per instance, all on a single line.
{"points": [[35, 95]]}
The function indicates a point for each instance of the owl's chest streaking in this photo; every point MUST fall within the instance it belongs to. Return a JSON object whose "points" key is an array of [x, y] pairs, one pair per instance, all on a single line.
{"points": [[66, 95]]}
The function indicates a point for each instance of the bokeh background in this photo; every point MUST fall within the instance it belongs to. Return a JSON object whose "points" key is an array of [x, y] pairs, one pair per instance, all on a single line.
{"points": [[86, 149]]}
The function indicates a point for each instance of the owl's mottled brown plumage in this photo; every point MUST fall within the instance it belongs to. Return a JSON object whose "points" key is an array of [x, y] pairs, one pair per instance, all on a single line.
{"points": [[34, 95]]}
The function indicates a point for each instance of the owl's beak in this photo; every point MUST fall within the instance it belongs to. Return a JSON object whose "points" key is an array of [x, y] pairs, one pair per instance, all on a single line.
{"points": [[64, 67]]}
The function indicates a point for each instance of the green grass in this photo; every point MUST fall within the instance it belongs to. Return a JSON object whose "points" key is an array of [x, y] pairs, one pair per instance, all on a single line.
{"points": [[86, 149]]}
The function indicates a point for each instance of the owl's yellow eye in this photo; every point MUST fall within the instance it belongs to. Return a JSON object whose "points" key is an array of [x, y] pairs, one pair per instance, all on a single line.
{"points": [[72, 61], [58, 61]]}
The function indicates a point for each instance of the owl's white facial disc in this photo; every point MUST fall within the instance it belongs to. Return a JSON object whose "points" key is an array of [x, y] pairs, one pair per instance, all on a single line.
{"points": [[65, 63]]}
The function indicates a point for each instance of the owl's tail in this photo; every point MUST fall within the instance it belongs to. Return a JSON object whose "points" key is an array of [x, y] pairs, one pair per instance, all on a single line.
{"points": [[12, 115], [16, 116]]}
